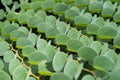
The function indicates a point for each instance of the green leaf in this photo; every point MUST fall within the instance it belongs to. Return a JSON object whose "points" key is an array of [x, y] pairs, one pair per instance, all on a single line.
{"points": [[117, 62], [42, 14], [96, 46], [82, 3], [103, 63], [20, 73], [43, 70], [1, 64], [31, 78], [111, 54], [85, 40], [108, 9], [116, 41], [23, 29], [74, 44], [92, 28], [60, 8], [13, 64], [12, 16], [23, 18], [87, 53], [95, 6], [49, 52], [6, 2], [16, 34], [114, 75], [25, 5], [73, 33], [61, 26], [51, 20], [33, 21], [42, 27], [7, 29], [2, 13], [36, 5], [70, 14], [22, 42], [30, 12], [32, 37], [41, 44], [71, 68], [27, 50], [48, 5], [59, 61], [83, 20], [4, 75], [88, 77], [52, 33], [8, 55], [38, 57], [107, 32], [79, 70], [61, 39], [59, 76], [68, 1], [4, 46], [116, 17]]}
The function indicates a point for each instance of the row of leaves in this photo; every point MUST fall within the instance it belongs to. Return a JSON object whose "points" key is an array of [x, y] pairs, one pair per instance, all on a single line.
{"points": [[94, 25], [37, 51], [63, 35]]}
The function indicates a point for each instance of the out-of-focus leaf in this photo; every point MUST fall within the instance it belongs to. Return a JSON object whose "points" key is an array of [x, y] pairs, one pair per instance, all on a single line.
{"points": [[4, 46], [2, 13], [70, 14], [8, 55], [60, 8], [48, 5], [116, 41], [33, 21], [82, 3], [88, 77], [95, 6], [13, 64], [4, 75], [1, 64]]}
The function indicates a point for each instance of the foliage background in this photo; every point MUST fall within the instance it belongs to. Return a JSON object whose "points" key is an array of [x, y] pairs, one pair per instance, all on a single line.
{"points": [[59, 40]]}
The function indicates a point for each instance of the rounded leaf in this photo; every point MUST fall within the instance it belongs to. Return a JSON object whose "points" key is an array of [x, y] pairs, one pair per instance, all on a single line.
{"points": [[86, 53], [20, 73], [59, 61], [103, 63], [59, 76], [4, 75], [74, 45]]}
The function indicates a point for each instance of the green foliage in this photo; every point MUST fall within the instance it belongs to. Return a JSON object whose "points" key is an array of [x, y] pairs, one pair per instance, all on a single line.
{"points": [[59, 40]]}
